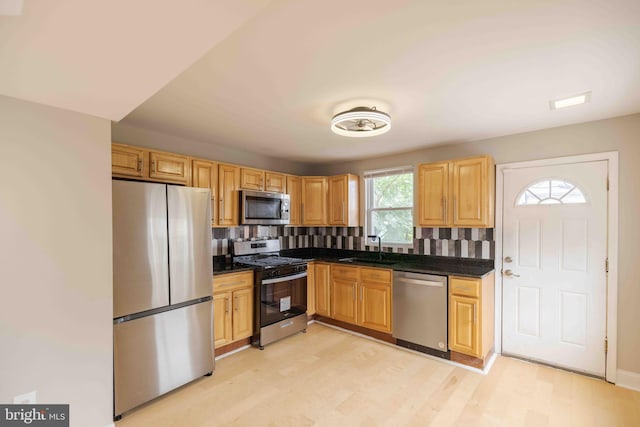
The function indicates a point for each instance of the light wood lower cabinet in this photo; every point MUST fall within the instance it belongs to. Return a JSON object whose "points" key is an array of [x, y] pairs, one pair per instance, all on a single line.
{"points": [[471, 314], [361, 296], [322, 288], [232, 307], [375, 299], [311, 288]]}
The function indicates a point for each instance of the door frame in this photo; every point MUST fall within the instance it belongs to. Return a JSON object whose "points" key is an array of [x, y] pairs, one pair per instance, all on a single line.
{"points": [[612, 247]]}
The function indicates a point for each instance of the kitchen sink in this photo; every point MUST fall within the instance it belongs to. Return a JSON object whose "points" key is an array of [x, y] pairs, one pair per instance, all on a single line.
{"points": [[368, 261]]}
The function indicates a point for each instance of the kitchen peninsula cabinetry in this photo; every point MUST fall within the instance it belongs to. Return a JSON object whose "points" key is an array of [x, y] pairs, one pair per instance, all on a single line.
{"points": [[228, 185], [471, 315], [344, 200], [322, 281], [232, 307], [204, 174], [458, 193], [314, 200], [361, 296], [139, 163]]}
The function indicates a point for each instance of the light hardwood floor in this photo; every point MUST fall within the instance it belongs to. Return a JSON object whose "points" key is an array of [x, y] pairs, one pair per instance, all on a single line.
{"points": [[327, 377]]}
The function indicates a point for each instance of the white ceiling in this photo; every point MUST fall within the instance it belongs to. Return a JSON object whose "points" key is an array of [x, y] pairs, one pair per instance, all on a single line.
{"points": [[105, 58], [276, 72]]}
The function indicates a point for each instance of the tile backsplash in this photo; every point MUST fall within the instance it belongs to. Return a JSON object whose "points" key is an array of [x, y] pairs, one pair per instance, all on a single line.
{"points": [[453, 242]]}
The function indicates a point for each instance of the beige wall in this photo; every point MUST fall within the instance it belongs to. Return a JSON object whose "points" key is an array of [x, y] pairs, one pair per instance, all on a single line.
{"points": [[55, 259], [620, 134], [128, 134]]}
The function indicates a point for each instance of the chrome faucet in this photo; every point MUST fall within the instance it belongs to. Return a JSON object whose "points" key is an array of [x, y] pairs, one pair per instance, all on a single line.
{"points": [[374, 237]]}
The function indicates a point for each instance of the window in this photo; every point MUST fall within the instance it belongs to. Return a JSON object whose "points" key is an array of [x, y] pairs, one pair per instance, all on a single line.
{"points": [[551, 192], [389, 201]]}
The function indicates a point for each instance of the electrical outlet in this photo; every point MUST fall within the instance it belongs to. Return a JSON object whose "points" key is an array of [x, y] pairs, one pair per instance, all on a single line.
{"points": [[26, 399]]}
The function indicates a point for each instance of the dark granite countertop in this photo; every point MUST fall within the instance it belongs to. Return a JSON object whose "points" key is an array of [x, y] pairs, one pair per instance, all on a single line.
{"points": [[223, 265], [466, 267]]}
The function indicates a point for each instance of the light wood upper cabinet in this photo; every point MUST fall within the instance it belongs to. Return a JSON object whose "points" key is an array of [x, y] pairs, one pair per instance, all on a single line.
{"points": [[251, 179], [275, 182], [459, 193], [232, 307], [344, 200], [136, 162], [294, 190], [314, 200], [433, 194], [168, 167], [228, 184], [322, 289], [129, 162], [473, 192], [471, 314], [204, 174]]}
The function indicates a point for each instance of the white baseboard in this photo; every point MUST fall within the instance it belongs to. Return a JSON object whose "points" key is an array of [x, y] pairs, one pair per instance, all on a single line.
{"points": [[628, 379]]}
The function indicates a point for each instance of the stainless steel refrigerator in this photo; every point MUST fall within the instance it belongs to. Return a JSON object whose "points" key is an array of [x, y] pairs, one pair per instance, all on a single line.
{"points": [[162, 272]]}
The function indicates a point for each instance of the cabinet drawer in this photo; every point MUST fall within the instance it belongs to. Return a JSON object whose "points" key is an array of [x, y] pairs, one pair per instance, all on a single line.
{"points": [[464, 287], [376, 274], [231, 281], [344, 272]]}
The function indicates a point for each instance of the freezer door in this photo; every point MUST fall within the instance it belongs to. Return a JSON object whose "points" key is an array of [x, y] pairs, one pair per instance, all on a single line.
{"points": [[140, 254], [190, 261], [155, 354]]}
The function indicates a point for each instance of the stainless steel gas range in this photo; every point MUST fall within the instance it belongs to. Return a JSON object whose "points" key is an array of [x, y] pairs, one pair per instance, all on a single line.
{"points": [[280, 290]]}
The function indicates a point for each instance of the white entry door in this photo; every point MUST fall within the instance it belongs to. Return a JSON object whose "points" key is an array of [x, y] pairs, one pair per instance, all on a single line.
{"points": [[554, 273]]}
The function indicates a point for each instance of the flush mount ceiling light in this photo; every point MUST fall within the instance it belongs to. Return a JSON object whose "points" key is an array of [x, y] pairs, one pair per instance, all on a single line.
{"points": [[582, 98], [361, 122]]}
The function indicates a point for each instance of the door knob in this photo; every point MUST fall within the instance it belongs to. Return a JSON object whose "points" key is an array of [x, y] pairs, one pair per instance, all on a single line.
{"points": [[510, 273], [508, 259]]}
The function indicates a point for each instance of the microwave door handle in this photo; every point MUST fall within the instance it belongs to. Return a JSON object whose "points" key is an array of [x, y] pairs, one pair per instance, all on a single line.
{"points": [[284, 279]]}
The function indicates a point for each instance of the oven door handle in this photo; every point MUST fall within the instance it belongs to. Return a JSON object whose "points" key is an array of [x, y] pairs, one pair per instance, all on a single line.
{"points": [[284, 278]]}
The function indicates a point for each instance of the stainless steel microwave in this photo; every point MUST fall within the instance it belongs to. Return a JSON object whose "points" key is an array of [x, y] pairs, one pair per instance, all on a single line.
{"points": [[261, 207]]}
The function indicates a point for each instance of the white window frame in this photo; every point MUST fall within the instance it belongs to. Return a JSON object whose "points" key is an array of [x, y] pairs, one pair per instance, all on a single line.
{"points": [[379, 173]]}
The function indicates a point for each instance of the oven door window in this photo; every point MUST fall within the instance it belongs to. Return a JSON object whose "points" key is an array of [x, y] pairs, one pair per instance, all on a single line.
{"points": [[282, 300]]}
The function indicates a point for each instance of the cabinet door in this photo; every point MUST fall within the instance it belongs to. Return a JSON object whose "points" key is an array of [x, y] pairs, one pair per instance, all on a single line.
{"points": [[344, 303], [463, 325], [473, 190], [294, 190], [204, 174], [314, 200], [275, 182], [323, 289], [433, 194], [374, 311], [252, 179], [128, 161], [242, 313], [228, 183], [222, 331], [167, 167], [311, 289], [343, 200], [338, 195]]}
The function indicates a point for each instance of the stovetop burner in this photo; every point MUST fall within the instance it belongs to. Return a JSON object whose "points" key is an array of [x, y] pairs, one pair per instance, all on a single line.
{"points": [[268, 261], [262, 253]]}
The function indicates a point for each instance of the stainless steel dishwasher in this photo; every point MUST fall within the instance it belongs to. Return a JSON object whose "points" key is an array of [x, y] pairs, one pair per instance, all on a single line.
{"points": [[420, 312]]}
